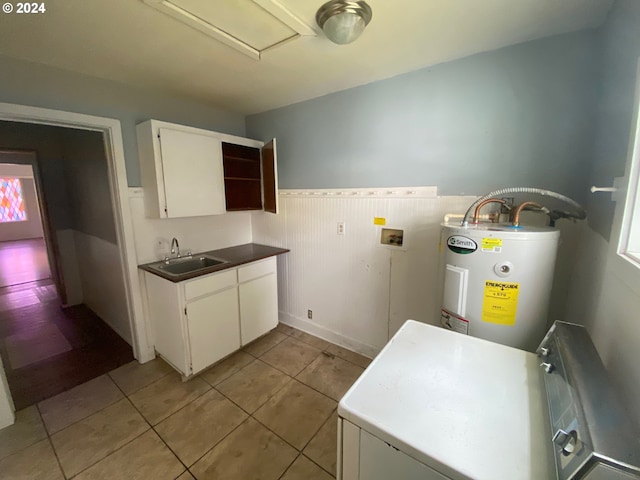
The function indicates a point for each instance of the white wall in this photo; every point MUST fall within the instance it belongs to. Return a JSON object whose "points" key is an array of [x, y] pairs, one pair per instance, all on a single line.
{"points": [[32, 227], [605, 297], [102, 285], [7, 408], [69, 266], [361, 292], [605, 294], [199, 234]]}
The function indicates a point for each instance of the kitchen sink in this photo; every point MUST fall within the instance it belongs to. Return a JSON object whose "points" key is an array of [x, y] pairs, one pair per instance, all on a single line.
{"points": [[181, 266]]}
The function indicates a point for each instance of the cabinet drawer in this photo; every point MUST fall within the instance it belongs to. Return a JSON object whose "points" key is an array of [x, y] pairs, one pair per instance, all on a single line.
{"points": [[257, 269], [210, 284]]}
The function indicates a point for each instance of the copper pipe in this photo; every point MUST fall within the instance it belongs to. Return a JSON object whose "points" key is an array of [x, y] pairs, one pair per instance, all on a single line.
{"points": [[476, 214], [515, 218]]}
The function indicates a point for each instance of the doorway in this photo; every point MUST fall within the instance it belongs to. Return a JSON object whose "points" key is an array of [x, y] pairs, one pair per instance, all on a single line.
{"points": [[54, 336], [23, 252], [114, 148]]}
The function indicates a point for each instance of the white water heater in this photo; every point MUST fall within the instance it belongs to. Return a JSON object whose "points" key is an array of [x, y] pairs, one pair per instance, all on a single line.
{"points": [[497, 281]]}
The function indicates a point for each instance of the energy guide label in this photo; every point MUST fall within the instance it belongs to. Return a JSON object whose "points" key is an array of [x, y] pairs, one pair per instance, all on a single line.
{"points": [[492, 245], [500, 302]]}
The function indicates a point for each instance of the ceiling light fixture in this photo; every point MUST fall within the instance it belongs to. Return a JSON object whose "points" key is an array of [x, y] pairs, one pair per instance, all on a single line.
{"points": [[343, 21]]}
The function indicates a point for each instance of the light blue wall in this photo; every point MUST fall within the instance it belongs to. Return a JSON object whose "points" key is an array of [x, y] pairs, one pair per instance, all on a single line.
{"points": [[522, 115], [620, 38], [41, 86]]}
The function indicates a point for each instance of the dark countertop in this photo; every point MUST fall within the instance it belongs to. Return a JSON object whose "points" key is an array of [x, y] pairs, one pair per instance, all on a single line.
{"points": [[234, 256]]}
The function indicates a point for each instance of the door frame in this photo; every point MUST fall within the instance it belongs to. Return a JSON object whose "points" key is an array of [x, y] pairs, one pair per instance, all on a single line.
{"points": [[114, 149]]}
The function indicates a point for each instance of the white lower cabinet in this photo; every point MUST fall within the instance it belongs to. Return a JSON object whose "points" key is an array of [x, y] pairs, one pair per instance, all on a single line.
{"points": [[366, 457], [258, 299], [199, 321], [212, 323]]}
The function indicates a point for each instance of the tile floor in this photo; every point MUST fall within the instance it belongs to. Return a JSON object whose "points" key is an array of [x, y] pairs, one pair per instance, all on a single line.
{"points": [[267, 412]]}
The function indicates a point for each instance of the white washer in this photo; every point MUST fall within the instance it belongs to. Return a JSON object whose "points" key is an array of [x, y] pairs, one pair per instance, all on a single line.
{"points": [[438, 405]]}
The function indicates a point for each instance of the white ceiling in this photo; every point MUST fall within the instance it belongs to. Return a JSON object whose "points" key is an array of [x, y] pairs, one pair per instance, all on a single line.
{"points": [[128, 41]]}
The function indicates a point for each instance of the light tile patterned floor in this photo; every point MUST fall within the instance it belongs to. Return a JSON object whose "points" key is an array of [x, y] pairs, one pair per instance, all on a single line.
{"points": [[268, 412]]}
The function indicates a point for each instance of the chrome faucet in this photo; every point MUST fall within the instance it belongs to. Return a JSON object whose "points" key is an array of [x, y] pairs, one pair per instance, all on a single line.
{"points": [[175, 247], [174, 253]]}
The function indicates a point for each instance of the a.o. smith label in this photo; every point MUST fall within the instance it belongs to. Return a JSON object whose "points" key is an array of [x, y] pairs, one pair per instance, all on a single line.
{"points": [[461, 244]]}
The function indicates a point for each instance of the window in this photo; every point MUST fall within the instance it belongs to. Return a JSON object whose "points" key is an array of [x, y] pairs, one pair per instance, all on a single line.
{"points": [[630, 234], [12, 208], [629, 244]]}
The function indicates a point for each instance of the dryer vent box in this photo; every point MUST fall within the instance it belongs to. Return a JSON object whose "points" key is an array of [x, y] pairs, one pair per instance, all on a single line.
{"points": [[391, 236]]}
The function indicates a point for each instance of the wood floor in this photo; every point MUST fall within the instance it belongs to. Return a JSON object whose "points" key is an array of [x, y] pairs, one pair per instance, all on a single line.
{"points": [[23, 261], [47, 349]]}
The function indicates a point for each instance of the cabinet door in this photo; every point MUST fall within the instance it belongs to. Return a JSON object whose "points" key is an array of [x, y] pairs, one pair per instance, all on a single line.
{"points": [[192, 174], [213, 326], [166, 314], [270, 177], [258, 307]]}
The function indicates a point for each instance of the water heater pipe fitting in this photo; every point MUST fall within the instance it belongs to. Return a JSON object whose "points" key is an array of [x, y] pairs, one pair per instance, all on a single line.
{"points": [[476, 214], [580, 213], [515, 219]]}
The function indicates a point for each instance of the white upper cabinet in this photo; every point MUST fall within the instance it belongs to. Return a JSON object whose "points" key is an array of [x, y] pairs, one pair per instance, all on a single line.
{"points": [[181, 169]]}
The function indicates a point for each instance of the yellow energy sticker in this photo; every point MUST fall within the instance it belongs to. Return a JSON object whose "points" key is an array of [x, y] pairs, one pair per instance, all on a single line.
{"points": [[492, 245], [500, 302], [379, 221]]}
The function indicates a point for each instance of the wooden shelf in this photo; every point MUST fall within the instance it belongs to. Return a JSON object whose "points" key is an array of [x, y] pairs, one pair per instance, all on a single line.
{"points": [[239, 159], [240, 152], [243, 179]]}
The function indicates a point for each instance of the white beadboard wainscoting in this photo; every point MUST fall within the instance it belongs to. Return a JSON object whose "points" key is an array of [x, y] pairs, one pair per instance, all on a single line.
{"points": [[360, 292]]}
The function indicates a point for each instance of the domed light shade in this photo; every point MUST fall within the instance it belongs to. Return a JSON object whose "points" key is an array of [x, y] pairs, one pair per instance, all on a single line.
{"points": [[343, 21]]}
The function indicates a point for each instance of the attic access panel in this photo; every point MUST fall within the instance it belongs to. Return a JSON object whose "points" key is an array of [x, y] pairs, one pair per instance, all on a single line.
{"points": [[249, 26]]}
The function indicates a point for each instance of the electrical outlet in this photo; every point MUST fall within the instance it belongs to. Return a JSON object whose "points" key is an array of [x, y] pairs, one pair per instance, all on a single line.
{"points": [[309, 314], [340, 228]]}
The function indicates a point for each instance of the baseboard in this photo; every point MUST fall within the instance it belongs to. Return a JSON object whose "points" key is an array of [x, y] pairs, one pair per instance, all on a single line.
{"points": [[328, 335]]}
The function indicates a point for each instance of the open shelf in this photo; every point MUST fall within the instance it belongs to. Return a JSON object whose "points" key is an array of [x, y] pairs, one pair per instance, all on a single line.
{"points": [[242, 177]]}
